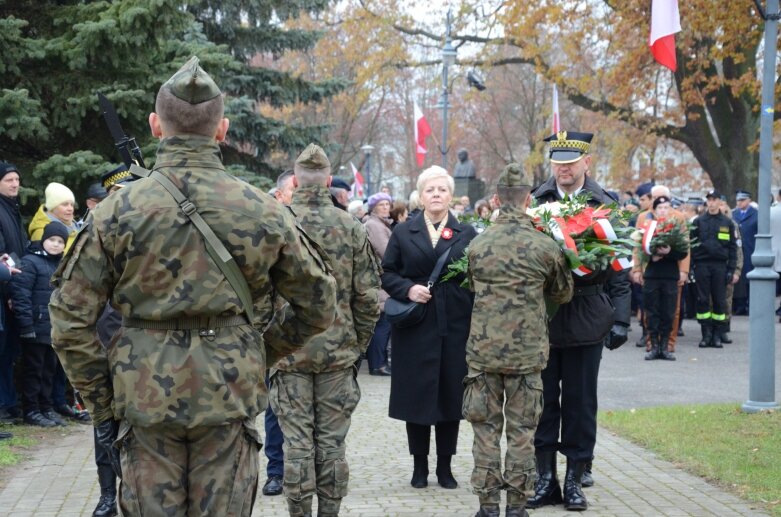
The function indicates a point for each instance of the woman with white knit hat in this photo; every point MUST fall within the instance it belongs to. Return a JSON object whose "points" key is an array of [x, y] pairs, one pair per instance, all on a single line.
{"points": [[59, 205]]}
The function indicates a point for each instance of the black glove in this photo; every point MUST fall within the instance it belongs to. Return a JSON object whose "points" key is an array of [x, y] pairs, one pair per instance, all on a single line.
{"points": [[617, 337], [106, 434]]}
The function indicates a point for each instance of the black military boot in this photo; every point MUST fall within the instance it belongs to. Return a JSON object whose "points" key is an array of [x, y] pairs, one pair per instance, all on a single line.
{"points": [[643, 339], [715, 341], [547, 489], [574, 500], [587, 480], [663, 352], [723, 336], [107, 504], [655, 352], [488, 510], [420, 471], [707, 334], [444, 474], [515, 511]]}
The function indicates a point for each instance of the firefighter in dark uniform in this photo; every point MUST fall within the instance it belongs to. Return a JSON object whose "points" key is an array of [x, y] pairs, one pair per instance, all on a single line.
{"points": [[597, 316], [714, 260]]}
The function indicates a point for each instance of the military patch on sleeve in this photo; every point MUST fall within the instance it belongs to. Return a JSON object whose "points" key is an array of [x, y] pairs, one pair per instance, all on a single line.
{"points": [[70, 259]]}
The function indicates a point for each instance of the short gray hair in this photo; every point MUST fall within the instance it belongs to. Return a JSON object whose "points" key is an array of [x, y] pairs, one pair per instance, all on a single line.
{"points": [[660, 190], [435, 171]]}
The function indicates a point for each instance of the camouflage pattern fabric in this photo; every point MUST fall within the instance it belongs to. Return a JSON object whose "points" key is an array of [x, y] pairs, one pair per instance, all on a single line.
{"points": [[511, 266], [314, 411], [356, 272], [485, 395], [173, 471], [139, 250]]}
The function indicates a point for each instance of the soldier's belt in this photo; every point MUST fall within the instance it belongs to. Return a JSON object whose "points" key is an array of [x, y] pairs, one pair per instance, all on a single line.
{"points": [[202, 324], [588, 290]]}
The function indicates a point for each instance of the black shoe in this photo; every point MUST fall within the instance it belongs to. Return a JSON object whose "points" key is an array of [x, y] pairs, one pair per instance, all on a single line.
{"points": [[655, 352], [420, 472], [515, 511], [382, 371], [54, 417], [273, 486], [107, 504], [587, 480], [444, 474], [9, 418], [642, 341], [547, 489], [5, 436], [488, 511], [724, 338], [680, 332], [574, 500], [707, 334], [37, 418], [668, 356]]}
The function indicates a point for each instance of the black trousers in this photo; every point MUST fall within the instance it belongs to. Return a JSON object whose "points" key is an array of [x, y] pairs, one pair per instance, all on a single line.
{"points": [[569, 384], [661, 297], [711, 281], [419, 438], [38, 366]]}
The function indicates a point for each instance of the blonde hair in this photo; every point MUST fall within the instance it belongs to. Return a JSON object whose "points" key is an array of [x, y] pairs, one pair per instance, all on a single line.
{"points": [[435, 171], [414, 201]]}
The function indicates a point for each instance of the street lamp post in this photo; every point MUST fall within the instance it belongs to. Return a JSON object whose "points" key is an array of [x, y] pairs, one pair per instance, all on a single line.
{"points": [[367, 151], [449, 54], [762, 340]]}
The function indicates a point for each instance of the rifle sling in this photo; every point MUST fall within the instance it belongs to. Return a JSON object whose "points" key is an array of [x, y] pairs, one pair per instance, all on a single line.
{"points": [[214, 246]]}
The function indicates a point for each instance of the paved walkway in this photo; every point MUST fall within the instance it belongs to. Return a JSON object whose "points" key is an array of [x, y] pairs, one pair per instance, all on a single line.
{"points": [[61, 480]]}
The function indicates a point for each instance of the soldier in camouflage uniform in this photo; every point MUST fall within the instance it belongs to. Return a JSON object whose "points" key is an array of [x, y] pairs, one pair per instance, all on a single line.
{"points": [[512, 268], [314, 390], [184, 374]]}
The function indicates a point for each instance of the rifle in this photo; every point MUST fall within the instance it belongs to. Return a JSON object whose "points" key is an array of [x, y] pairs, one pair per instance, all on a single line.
{"points": [[126, 145]]}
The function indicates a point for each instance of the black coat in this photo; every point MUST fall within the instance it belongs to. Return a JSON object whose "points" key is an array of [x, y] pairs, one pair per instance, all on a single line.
{"points": [[429, 359], [587, 320], [30, 291]]}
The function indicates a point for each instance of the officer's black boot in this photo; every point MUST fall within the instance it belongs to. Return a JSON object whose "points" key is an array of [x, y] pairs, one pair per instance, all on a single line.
{"points": [[663, 353], [444, 474], [547, 489], [715, 341], [574, 500], [420, 471], [707, 334], [654, 353], [488, 510], [723, 336], [107, 504], [587, 480]]}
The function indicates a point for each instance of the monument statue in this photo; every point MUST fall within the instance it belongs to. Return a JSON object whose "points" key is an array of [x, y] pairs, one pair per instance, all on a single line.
{"points": [[465, 168]]}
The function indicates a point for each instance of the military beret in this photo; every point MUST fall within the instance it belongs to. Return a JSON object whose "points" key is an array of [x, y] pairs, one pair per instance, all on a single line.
{"points": [[192, 84], [313, 158], [96, 191], [644, 189], [568, 146], [337, 182], [513, 176]]}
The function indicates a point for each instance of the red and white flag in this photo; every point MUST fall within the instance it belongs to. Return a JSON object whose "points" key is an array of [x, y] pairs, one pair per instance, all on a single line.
{"points": [[555, 119], [422, 131], [357, 187], [665, 22]]}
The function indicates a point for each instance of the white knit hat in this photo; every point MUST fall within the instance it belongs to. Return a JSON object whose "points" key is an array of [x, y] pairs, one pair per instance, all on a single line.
{"points": [[57, 194]]}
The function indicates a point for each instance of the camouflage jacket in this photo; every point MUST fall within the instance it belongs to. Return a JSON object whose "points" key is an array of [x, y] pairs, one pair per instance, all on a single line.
{"points": [[357, 282], [511, 267], [139, 251]]}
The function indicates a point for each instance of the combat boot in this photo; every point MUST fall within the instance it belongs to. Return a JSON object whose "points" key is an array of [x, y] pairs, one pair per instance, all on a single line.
{"points": [[547, 489], [707, 334], [574, 500], [420, 471], [107, 504], [655, 352], [515, 511], [715, 341], [663, 352], [587, 480], [723, 336], [488, 510]]}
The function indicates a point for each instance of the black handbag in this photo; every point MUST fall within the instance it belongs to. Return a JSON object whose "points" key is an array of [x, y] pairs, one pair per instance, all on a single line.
{"points": [[403, 314]]}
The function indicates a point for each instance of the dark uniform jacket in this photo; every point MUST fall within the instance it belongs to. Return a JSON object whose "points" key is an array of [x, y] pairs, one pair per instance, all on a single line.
{"points": [[748, 223], [716, 237], [587, 319], [30, 291], [429, 359]]}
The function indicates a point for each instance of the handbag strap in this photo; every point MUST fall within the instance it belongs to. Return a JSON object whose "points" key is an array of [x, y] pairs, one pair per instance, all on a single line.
{"points": [[214, 246], [437, 269]]}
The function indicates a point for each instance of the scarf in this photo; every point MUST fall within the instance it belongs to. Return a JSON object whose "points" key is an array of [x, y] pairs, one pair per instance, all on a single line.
{"points": [[434, 233]]}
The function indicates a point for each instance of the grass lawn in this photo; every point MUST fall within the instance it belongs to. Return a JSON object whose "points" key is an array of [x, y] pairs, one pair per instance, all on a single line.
{"points": [[25, 438], [735, 450]]}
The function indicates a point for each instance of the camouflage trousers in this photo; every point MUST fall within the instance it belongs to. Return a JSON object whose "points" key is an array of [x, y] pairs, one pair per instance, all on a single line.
{"points": [[520, 396], [170, 471], [314, 411]]}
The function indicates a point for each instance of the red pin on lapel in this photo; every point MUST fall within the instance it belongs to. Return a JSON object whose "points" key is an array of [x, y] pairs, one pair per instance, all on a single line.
{"points": [[447, 234]]}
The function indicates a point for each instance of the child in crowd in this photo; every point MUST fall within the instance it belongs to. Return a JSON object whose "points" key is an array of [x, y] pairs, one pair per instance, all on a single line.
{"points": [[30, 292]]}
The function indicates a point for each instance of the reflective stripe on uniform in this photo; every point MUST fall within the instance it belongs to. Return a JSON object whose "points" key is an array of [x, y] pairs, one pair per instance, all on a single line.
{"points": [[703, 315], [718, 317]]}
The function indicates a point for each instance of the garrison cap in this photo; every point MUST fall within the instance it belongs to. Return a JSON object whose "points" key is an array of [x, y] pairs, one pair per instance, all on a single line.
{"points": [[313, 158], [568, 146], [513, 176], [192, 84], [740, 195], [96, 191], [116, 178]]}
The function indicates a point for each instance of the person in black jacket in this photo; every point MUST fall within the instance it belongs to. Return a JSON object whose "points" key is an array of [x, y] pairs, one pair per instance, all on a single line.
{"points": [[598, 315], [30, 293], [714, 261], [429, 359]]}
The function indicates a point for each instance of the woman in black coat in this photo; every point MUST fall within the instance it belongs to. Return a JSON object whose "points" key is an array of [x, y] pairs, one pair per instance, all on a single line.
{"points": [[429, 359]]}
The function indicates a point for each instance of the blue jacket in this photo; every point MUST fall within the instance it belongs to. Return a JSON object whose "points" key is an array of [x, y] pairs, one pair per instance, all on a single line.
{"points": [[748, 224], [30, 291]]}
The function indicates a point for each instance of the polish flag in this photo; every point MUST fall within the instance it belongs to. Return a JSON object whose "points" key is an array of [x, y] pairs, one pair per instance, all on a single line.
{"points": [[665, 22], [422, 131], [555, 119], [357, 186]]}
